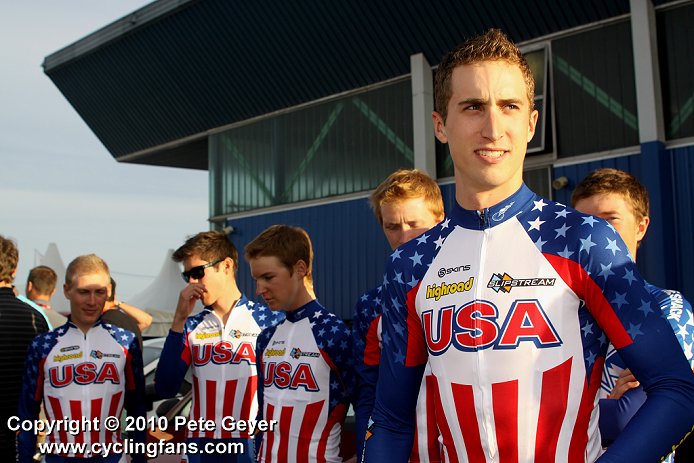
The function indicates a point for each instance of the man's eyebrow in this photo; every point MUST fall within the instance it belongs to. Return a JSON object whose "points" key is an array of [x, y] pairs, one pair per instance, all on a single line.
{"points": [[505, 101], [472, 101]]}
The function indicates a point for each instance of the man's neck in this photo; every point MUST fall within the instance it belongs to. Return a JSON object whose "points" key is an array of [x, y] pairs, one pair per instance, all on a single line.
{"points": [[4, 284], [302, 299], [223, 306], [474, 199]]}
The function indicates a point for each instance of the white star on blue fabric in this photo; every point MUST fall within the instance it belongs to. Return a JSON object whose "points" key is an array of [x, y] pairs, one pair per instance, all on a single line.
{"points": [[590, 220], [422, 239], [591, 358], [439, 241], [416, 259], [364, 297], [562, 213], [619, 300], [535, 224], [634, 330], [645, 307], [395, 255], [612, 246], [586, 244], [539, 205], [398, 277], [606, 270], [445, 223], [396, 304], [561, 231], [566, 254], [629, 276], [413, 282], [539, 243], [587, 329]]}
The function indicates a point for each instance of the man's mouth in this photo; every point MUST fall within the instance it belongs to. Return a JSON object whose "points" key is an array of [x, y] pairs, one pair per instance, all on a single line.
{"points": [[491, 154]]}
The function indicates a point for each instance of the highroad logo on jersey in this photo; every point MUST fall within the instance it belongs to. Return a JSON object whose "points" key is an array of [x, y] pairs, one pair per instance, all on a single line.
{"points": [[505, 282], [444, 289], [296, 353]]}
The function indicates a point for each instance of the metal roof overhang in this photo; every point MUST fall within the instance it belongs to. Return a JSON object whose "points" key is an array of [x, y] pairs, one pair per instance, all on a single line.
{"points": [[155, 83]]}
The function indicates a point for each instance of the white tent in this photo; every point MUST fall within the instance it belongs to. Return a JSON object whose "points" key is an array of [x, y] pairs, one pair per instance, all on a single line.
{"points": [[159, 299]]}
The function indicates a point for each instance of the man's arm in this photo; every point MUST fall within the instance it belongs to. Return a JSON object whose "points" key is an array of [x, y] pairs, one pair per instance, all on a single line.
{"points": [[143, 319], [30, 401], [135, 401], [403, 357], [173, 363]]}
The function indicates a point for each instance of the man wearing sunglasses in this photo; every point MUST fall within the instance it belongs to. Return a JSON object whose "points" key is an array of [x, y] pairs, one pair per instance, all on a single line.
{"points": [[218, 344]]}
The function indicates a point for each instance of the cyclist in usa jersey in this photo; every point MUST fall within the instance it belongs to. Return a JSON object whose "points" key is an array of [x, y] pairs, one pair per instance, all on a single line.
{"points": [[406, 204], [218, 344], [516, 357], [85, 369], [304, 365], [619, 198]]}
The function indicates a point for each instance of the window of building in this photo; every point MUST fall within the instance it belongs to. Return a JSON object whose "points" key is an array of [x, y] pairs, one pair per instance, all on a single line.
{"points": [[346, 145]]}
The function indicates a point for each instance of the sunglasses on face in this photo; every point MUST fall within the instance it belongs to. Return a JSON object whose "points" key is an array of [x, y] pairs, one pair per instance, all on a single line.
{"points": [[198, 272]]}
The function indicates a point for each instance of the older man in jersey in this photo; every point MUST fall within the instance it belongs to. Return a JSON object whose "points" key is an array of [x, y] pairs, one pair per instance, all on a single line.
{"points": [[517, 332], [84, 371], [406, 204], [619, 198], [218, 344]]}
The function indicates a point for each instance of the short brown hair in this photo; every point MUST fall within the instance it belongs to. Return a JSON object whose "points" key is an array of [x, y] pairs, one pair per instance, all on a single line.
{"points": [[493, 45], [288, 244], [210, 246], [43, 279], [9, 258], [407, 184], [608, 180], [85, 265]]}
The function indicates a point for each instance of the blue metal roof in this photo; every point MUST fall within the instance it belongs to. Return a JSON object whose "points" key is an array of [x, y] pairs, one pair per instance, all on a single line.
{"points": [[153, 84]]}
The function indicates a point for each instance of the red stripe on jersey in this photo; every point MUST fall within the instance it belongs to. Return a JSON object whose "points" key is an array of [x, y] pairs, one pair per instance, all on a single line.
{"points": [[505, 405], [467, 417], [337, 416], [96, 417], [579, 438], [372, 349], [195, 415], [433, 449], [113, 409], [228, 407], [249, 397], [553, 401], [416, 346], [76, 414], [442, 422], [269, 436], [308, 426], [57, 415], [211, 403], [285, 426], [585, 288]]}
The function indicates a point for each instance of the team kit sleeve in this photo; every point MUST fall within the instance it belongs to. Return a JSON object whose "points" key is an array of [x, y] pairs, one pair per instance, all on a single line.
{"points": [[30, 399], [261, 344], [617, 297], [365, 366], [135, 401], [173, 363], [403, 358]]}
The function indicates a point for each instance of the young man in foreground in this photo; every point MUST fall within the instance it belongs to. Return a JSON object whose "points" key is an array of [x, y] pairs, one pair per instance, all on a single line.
{"points": [[619, 198], [218, 344], [517, 358], [83, 370], [406, 205], [304, 363]]}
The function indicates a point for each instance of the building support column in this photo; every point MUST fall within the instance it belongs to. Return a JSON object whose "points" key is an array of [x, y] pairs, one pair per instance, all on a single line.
{"points": [[422, 107]]}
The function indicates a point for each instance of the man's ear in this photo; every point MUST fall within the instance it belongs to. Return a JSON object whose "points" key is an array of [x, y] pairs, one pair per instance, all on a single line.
{"points": [[300, 268], [641, 228], [30, 286]]}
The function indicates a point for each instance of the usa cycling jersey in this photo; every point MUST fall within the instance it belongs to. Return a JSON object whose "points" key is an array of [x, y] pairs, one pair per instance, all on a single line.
{"points": [[615, 414], [305, 375], [222, 358], [78, 375], [493, 299], [366, 337]]}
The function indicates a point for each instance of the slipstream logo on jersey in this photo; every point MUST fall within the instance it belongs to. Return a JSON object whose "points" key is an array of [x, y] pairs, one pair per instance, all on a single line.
{"points": [[129, 447]]}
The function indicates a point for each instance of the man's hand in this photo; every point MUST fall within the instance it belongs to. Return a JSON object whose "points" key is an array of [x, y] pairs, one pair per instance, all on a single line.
{"points": [[186, 302], [625, 382]]}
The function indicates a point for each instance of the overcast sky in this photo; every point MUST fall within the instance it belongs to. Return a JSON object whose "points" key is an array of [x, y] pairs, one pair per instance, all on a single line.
{"points": [[57, 181]]}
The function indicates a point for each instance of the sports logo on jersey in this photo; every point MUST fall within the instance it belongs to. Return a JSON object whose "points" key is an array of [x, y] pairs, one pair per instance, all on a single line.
{"points": [[97, 354], [444, 289], [285, 376], [505, 282], [212, 334], [83, 374], [222, 353], [62, 358], [274, 343], [475, 326], [296, 353], [502, 212], [445, 271], [238, 334], [69, 348], [275, 352]]}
